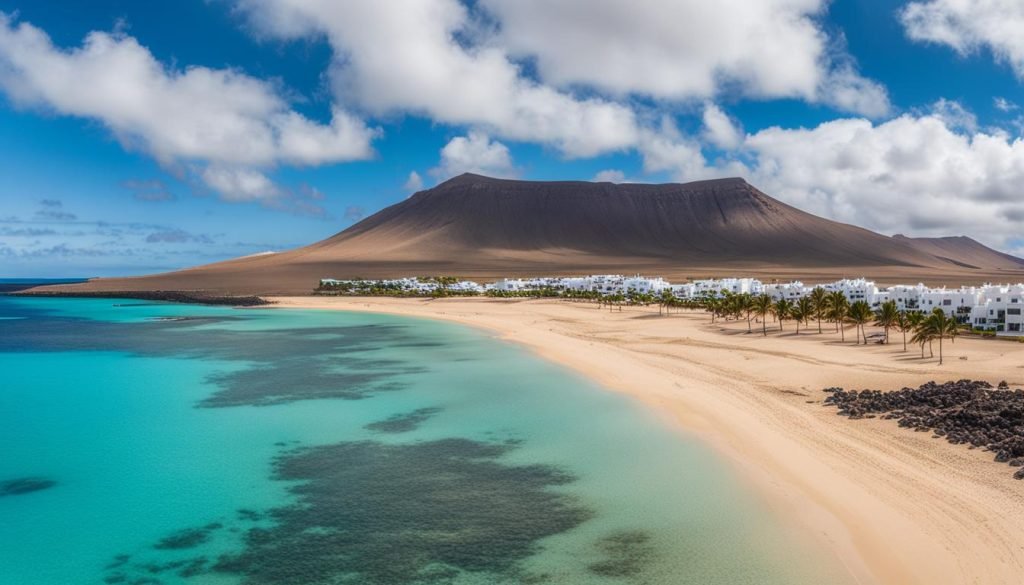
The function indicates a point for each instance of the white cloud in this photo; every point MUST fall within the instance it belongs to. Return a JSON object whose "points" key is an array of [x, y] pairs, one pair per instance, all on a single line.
{"points": [[412, 60], [719, 130], [474, 153], [451, 63], [969, 25], [955, 115], [232, 125], [666, 149], [912, 174], [609, 176], [687, 49], [240, 184], [1004, 105], [414, 182]]}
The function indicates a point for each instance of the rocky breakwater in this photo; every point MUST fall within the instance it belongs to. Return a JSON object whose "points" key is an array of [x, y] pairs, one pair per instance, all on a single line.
{"points": [[963, 412]]}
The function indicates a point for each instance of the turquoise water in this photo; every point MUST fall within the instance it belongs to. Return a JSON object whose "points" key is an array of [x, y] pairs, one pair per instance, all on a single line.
{"points": [[159, 443]]}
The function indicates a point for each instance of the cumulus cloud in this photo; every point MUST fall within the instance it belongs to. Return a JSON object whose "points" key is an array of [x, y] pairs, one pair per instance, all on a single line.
{"points": [[719, 129], [687, 49], [414, 182], [912, 173], [609, 176], [230, 124], [474, 153], [240, 184], [969, 25], [416, 60], [955, 115]]}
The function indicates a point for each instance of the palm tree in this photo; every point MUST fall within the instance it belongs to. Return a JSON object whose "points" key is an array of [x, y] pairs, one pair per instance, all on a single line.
{"points": [[942, 326], [915, 319], [711, 303], [806, 307], [819, 302], [934, 326], [887, 317], [903, 324], [745, 305], [782, 309], [762, 306], [953, 328], [665, 300], [802, 311], [838, 309], [860, 314], [924, 333]]}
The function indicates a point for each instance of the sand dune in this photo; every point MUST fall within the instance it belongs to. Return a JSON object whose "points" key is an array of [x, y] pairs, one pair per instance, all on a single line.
{"points": [[478, 227], [896, 506]]}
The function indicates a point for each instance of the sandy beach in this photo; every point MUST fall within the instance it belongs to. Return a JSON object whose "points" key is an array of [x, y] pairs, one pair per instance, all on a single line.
{"points": [[895, 506]]}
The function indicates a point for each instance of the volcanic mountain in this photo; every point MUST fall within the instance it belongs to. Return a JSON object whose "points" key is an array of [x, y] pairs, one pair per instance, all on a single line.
{"points": [[480, 227]]}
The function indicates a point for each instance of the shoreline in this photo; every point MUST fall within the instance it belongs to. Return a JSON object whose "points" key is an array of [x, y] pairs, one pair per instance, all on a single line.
{"points": [[893, 506], [167, 296]]}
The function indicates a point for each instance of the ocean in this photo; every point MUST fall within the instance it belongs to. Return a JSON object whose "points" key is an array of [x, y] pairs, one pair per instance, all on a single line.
{"points": [[154, 443]]}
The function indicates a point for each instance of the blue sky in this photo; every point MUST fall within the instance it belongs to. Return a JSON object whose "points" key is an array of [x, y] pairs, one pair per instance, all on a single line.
{"points": [[139, 137]]}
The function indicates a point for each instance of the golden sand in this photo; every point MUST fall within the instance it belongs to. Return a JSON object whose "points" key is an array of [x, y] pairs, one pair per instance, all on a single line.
{"points": [[895, 506]]}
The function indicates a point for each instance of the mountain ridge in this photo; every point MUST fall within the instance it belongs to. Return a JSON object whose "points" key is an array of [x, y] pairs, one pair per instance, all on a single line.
{"points": [[483, 227]]}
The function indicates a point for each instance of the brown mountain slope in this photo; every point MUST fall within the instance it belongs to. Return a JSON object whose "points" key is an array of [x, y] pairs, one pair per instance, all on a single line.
{"points": [[963, 251], [486, 228]]}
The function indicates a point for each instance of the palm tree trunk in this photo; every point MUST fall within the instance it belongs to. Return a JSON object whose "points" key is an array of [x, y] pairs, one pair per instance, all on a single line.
{"points": [[764, 326], [842, 332], [904, 340], [819, 323], [940, 350]]}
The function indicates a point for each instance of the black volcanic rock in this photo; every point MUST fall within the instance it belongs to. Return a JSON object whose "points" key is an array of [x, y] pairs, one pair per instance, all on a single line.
{"points": [[964, 412]]}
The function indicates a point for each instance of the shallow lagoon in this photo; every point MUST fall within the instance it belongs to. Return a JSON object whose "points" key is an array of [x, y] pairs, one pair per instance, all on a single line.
{"points": [[188, 444]]}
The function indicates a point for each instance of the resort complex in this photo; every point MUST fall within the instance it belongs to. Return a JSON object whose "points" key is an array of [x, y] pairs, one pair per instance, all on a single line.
{"points": [[989, 307]]}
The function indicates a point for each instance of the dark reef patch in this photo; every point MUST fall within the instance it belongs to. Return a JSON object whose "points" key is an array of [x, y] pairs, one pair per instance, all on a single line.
{"points": [[290, 379], [963, 412], [188, 538], [626, 553], [287, 364], [24, 485], [378, 514], [403, 422]]}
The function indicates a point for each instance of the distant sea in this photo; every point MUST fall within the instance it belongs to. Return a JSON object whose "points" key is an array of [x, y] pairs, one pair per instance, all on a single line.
{"points": [[175, 444], [15, 284]]}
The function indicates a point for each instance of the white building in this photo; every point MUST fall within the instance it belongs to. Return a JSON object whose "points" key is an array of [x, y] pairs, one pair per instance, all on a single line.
{"points": [[1000, 309]]}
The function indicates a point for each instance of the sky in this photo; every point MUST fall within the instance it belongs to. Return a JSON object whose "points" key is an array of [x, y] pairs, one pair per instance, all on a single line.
{"points": [[146, 136]]}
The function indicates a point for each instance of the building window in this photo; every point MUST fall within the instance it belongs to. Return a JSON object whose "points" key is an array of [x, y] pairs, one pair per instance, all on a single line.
{"points": [[1013, 311]]}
